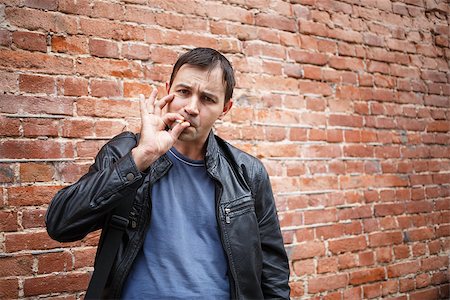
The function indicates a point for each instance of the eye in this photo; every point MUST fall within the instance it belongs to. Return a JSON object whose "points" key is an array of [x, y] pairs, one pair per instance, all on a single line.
{"points": [[209, 99], [183, 92]]}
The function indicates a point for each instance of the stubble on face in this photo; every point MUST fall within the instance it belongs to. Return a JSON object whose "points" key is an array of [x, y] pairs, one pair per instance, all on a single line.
{"points": [[194, 84]]}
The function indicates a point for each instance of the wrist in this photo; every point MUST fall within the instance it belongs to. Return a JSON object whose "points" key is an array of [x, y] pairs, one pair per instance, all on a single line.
{"points": [[142, 159]]}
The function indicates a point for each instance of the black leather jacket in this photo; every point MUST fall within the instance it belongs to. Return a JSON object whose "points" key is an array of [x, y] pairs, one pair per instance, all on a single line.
{"points": [[246, 214]]}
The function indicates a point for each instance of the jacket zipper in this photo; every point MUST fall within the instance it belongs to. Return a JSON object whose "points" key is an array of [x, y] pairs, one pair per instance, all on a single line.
{"points": [[227, 216], [128, 262], [237, 210], [233, 287], [141, 232]]}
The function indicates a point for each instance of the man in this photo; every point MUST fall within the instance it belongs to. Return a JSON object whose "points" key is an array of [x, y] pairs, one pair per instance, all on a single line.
{"points": [[203, 219]]}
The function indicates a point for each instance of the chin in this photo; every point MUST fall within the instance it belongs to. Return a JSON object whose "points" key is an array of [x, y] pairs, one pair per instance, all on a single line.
{"points": [[188, 135]]}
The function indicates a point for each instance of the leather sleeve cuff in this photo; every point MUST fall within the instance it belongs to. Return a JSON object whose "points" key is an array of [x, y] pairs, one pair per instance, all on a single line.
{"points": [[127, 169]]}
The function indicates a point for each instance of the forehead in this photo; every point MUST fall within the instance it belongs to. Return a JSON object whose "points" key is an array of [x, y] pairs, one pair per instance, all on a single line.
{"points": [[201, 77]]}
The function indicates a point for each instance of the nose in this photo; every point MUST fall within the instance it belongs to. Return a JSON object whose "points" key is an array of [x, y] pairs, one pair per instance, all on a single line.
{"points": [[191, 107]]}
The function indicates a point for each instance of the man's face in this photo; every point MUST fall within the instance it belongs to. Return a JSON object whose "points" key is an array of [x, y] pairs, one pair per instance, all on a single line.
{"points": [[199, 98]]}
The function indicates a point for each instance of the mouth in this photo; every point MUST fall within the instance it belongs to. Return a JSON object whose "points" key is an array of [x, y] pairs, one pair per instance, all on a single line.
{"points": [[192, 123]]}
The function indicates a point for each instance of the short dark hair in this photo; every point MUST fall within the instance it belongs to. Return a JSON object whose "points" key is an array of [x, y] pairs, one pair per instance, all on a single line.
{"points": [[207, 58]]}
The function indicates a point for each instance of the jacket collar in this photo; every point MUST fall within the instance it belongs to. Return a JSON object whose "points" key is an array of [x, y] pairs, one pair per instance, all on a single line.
{"points": [[159, 168], [162, 164], [212, 153]]}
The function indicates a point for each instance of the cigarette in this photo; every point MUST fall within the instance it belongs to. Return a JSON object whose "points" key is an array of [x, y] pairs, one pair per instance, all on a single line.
{"points": [[176, 122]]}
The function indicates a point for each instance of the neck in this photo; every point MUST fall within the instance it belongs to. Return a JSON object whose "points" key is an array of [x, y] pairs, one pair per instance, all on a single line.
{"points": [[194, 151]]}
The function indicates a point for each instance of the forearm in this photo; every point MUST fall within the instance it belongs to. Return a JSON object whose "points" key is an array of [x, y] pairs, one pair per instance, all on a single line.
{"points": [[81, 208], [275, 269], [275, 276]]}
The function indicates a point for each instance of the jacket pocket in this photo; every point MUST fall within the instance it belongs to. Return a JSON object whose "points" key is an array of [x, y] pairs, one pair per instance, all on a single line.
{"points": [[243, 245], [237, 208]]}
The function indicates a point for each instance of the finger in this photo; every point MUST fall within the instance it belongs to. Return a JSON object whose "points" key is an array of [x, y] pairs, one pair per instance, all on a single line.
{"points": [[178, 129], [152, 100], [163, 101], [170, 118], [159, 105], [142, 107]]}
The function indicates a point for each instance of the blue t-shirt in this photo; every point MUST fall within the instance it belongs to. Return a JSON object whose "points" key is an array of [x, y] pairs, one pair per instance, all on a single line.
{"points": [[182, 256]]}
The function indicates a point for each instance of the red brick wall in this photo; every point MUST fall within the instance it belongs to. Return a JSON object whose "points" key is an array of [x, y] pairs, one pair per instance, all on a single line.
{"points": [[346, 103]]}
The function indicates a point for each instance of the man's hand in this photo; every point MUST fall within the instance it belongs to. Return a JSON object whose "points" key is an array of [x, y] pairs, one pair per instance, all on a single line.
{"points": [[155, 138]]}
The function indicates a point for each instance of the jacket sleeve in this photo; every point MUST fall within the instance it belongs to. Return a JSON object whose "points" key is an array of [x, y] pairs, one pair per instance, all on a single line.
{"points": [[275, 271], [82, 207]]}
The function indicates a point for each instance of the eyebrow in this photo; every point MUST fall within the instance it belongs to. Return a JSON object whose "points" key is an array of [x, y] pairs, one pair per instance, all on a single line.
{"points": [[205, 93], [182, 84], [210, 95]]}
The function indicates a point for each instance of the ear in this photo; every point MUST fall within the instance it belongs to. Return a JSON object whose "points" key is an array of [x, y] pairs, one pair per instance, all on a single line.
{"points": [[167, 87], [226, 108]]}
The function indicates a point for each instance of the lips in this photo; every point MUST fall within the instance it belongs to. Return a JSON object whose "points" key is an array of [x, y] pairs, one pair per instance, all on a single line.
{"points": [[193, 123]]}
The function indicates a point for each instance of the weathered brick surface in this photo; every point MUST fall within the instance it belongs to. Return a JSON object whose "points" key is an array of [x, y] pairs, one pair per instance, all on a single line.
{"points": [[346, 103]]}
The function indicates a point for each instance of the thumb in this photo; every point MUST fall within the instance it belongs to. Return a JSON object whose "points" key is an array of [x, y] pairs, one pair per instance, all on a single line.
{"points": [[178, 129]]}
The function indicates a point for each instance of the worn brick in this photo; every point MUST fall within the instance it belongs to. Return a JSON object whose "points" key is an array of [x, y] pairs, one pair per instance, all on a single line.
{"points": [[345, 102], [36, 84], [30, 40]]}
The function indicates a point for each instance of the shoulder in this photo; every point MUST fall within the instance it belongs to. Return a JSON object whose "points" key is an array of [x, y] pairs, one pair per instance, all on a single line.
{"points": [[124, 138], [121, 144], [248, 163]]}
